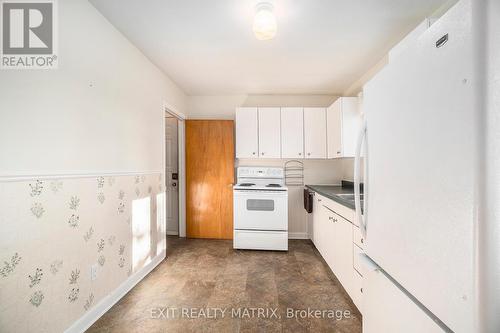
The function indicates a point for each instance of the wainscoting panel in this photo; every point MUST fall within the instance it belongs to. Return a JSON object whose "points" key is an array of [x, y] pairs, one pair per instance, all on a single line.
{"points": [[53, 231]]}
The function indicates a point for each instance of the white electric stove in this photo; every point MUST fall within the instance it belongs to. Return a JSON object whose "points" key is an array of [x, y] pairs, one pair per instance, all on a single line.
{"points": [[260, 209]]}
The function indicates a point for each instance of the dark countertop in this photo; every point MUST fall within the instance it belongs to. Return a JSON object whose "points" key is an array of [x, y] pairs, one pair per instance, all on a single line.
{"points": [[332, 191]]}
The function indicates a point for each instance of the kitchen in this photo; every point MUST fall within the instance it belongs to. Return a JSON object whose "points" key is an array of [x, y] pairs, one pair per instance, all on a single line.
{"points": [[251, 166]]}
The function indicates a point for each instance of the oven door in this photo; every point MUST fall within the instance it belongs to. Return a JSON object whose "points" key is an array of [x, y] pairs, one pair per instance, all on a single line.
{"points": [[260, 210]]}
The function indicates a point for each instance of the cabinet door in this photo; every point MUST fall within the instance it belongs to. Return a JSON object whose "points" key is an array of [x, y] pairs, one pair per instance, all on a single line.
{"points": [[247, 141], [316, 221], [329, 235], [269, 133], [357, 290], [343, 252], [351, 121], [334, 129], [315, 132], [292, 132]]}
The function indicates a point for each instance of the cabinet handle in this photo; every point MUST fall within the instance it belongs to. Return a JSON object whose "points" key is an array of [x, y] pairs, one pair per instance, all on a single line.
{"points": [[361, 289], [308, 154], [253, 153], [362, 241], [300, 154], [338, 152], [319, 200], [262, 154]]}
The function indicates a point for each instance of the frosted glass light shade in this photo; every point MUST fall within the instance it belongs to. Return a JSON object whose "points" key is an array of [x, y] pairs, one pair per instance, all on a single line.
{"points": [[264, 22]]}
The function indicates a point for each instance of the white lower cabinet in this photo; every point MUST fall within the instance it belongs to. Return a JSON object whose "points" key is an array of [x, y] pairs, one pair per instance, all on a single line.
{"points": [[342, 245], [357, 290], [317, 225], [329, 234], [333, 237], [356, 258], [358, 238]]}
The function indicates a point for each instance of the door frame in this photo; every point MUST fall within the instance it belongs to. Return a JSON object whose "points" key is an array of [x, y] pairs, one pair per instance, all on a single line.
{"points": [[181, 160]]}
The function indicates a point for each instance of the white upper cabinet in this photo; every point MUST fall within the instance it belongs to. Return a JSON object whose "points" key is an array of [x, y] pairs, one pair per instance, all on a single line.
{"points": [[343, 120], [296, 132], [334, 129], [247, 140], [292, 132], [269, 133], [315, 132]]}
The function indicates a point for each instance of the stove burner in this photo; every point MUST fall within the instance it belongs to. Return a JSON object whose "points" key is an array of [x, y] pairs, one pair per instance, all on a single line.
{"points": [[246, 184], [273, 185]]}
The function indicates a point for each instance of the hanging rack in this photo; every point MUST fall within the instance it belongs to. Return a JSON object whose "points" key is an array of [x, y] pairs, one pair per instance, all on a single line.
{"points": [[294, 173]]}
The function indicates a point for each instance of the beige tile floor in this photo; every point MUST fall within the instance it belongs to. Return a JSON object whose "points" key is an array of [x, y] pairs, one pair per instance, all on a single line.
{"points": [[208, 274]]}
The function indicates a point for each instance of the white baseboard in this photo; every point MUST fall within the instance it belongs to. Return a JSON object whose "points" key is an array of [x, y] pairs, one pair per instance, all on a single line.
{"points": [[298, 235], [90, 317], [172, 233]]}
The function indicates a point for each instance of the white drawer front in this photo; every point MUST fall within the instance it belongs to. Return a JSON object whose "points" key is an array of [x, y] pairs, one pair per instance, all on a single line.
{"points": [[358, 237], [260, 240], [356, 260], [345, 212], [357, 290]]}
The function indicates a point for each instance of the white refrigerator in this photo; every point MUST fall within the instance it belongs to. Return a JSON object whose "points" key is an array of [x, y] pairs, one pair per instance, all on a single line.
{"points": [[419, 217]]}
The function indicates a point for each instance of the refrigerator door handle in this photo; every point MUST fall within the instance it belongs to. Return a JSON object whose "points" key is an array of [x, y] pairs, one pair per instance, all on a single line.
{"points": [[360, 216]]}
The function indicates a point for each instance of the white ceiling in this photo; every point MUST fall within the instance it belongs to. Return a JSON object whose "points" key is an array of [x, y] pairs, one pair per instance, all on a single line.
{"points": [[207, 46]]}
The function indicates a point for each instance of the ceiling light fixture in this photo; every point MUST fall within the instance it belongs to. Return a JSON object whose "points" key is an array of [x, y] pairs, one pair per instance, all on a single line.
{"points": [[264, 22]]}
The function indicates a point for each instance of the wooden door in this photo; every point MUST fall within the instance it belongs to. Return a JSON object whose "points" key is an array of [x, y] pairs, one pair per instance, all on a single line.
{"points": [[315, 132], [247, 133], [292, 132], [269, 133], [209, 178]]}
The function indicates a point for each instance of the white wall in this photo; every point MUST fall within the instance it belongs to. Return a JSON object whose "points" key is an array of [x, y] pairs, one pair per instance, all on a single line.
{"points": [[100, 111]]}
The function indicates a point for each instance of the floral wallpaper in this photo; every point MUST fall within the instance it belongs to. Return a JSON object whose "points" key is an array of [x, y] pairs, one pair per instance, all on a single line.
{"points": [[53, 231]]}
